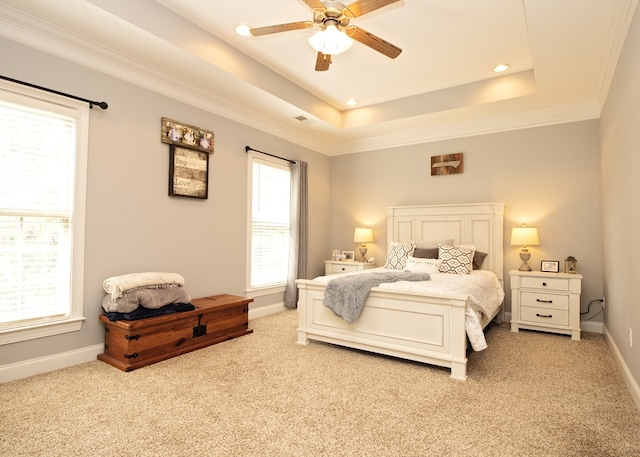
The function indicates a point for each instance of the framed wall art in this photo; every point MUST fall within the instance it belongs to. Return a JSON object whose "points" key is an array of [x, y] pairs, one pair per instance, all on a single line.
{"points": [[447, 164], [188, 172]]}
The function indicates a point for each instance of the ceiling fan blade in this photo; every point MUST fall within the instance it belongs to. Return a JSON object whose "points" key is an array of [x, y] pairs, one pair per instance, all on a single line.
{"points": [[360, 7], [323, 61], [374, 42], [315, 5], [258, 31]]}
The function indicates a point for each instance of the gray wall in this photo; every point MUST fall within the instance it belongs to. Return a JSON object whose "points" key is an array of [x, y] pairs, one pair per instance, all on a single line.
{"points": [[548, 177], [132, 224], [621, 208]]}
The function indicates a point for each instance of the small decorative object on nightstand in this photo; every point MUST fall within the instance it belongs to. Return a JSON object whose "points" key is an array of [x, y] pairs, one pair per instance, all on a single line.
{"points": [[571, 265], [332, 267], [524, 236], [548, 302]]}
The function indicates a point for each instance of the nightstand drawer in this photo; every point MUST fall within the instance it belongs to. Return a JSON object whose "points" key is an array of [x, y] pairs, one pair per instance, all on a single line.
{"points": [[342, 268], [550, 301], [559, 284], [544, 316]]}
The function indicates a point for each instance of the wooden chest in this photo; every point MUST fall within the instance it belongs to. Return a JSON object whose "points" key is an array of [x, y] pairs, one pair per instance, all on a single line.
{"points": [[138, 343]]}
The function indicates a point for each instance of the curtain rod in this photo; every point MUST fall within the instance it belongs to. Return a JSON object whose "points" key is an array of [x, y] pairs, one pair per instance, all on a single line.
{"points": [[249, 148], [102, 105]]}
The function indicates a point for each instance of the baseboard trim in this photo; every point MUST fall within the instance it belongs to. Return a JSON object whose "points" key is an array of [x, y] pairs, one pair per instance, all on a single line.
{"points": [[32, 367], [263, 311], [591, 327], [634, 389]]}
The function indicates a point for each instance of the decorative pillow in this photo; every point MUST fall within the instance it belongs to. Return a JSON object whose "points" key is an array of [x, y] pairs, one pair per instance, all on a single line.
{"points": [[429, 249], [398, 254], [478, 258], [420, 265], [456, 259], [425, 253]]}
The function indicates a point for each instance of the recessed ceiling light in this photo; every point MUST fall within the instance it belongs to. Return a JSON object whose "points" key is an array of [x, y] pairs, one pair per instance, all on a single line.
{"points": [[501, 67], [352, 102], [243, 30]]}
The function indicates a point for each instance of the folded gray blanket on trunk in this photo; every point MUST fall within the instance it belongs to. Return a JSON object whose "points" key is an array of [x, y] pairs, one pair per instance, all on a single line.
{"points": [[345, 296]]}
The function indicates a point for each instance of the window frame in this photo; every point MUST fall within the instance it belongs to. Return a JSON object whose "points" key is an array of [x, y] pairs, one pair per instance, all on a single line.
{"points": [[257, 291], [39, 328]]}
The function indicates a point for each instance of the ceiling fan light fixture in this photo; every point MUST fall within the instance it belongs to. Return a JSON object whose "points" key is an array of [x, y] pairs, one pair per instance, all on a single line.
{"points": [[243, 30], [330, 41]]}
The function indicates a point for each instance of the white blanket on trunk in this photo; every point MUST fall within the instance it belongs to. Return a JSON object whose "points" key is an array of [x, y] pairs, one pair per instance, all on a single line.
{"points": [[117, 286]]}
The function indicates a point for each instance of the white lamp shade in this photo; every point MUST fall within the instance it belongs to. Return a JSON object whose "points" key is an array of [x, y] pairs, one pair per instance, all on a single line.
{"points": [[363, 235], [330, 41], [524, 236]]}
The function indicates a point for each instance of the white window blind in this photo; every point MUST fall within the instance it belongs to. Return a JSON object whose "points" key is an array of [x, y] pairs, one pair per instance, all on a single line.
{"points": [[270, 222], [37, 189]]}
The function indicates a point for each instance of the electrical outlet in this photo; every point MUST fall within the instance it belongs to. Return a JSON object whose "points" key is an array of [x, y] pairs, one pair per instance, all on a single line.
{"points": [[630, 337]]}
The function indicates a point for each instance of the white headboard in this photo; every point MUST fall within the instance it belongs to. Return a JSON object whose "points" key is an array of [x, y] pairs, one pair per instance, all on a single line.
{"points": [[480, 224]]}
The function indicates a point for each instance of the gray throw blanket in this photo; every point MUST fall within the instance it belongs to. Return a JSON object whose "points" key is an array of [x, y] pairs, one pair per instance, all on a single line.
{"points": [[345, 296]]}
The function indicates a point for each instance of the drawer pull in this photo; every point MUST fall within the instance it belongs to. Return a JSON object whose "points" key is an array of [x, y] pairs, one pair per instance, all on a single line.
{"points": [[544, 284], [544, 301], [544, 315], [132, 337]]}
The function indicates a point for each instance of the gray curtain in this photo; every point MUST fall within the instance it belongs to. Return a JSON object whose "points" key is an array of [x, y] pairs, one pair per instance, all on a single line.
{"points": [[298, 241]]}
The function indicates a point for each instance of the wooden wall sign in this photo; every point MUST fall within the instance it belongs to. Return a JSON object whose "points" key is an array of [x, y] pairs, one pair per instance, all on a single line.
{"points": [[174, 132], [447, 164], [188, 172]]}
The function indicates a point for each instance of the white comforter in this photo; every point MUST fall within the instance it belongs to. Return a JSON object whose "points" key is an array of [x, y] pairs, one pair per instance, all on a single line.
{"points": [[482, 287]]}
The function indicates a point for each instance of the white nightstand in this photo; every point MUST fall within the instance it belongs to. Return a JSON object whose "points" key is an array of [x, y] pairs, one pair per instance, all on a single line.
{"points": [[548, 302], [332, 267]]}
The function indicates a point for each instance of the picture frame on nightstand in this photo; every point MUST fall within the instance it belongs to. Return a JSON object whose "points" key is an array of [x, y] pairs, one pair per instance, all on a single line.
{"points": [[550, 266], [349, 255]]}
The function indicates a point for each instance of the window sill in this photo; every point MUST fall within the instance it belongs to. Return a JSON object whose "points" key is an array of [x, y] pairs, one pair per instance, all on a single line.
{"points": [[32, 332]]}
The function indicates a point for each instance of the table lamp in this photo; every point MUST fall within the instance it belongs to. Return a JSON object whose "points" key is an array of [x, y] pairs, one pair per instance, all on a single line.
{"points": [[524, 236], [363, 235]]}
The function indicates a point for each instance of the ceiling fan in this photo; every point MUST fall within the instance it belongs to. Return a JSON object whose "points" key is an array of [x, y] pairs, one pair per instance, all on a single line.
{"points": [[336, 34]]}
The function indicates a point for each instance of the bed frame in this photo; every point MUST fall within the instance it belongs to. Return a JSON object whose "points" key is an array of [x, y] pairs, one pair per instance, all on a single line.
{"points": [[428, 328]]}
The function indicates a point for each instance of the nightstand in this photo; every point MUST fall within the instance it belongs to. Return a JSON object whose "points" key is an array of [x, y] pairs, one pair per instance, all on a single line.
{"points": [[332, 267], [548, 302]]}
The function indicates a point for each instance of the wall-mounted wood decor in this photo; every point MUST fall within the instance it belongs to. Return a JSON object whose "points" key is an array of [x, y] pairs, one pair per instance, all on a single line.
{"points": [[174, 132], [188, 172], [447, 164]]}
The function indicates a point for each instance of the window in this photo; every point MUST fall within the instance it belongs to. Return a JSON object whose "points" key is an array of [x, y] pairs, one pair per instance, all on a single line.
{"points": [[270, 190], [43, 143]]}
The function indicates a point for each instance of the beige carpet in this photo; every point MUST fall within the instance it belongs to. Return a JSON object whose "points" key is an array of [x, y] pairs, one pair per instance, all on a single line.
{"points": [[528, 394]]}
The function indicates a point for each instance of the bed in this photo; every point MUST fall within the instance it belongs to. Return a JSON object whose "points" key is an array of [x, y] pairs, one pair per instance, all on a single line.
{"points": [[401, 320]]}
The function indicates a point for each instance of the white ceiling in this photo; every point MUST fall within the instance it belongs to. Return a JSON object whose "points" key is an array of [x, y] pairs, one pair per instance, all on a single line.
{"points": [[562, 54]]}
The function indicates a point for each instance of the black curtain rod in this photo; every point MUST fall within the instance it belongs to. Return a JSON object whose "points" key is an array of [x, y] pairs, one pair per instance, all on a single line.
{"points": [[102, 105], [249, 148]]}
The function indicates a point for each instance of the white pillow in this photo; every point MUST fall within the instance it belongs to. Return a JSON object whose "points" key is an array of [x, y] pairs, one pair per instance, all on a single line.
{"points": [[456, 259], [397, 255], [417, 265]]}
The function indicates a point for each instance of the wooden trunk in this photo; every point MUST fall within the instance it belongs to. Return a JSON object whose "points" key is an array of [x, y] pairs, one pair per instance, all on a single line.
{"points": [[138, 343]]}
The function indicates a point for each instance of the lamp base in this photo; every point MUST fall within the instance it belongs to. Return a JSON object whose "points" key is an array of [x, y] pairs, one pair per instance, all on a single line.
{"points": [[524, 256], [363, 251]]}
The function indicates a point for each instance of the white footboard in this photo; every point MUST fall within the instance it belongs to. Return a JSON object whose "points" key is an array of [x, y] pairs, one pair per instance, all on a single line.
{"points": [[420, 327]]}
